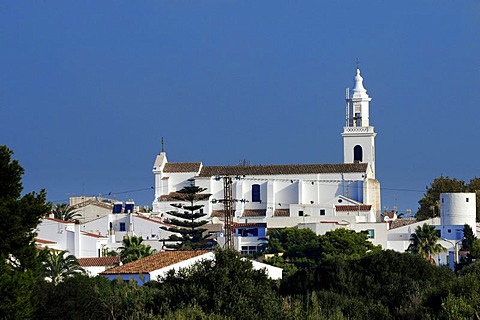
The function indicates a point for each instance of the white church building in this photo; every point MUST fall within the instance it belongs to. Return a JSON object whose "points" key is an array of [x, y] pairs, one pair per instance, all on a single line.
{"points": [[279, 196]]}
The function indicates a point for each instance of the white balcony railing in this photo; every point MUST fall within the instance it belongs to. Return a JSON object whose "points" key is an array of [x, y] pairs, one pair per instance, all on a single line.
{"points": [[359, 129]]}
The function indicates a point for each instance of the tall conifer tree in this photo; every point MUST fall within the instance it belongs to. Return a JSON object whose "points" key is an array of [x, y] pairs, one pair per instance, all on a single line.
{"points": [[187, 222], [19, 216]]}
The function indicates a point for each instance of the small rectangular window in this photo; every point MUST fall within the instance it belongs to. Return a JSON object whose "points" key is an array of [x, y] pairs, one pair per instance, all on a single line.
{"points": [[370, 234], [467, 199], [122, 226], [443, 200], [300, 213], [322, 212]]}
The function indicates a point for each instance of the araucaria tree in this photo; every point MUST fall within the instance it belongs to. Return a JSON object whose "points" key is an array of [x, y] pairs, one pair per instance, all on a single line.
{"points": [[187, 224], [424, 242]]}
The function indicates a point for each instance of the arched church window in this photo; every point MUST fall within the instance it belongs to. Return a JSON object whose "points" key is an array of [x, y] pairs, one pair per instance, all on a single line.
{"points": [[256, 193], [357, 154]]}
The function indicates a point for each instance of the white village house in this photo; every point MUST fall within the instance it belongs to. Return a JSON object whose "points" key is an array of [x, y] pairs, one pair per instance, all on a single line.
{"points": [[158, 265]]}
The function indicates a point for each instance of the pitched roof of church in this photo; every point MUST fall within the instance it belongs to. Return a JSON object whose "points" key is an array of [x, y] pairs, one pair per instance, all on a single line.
{"points": [[171, 167], [155, 262], [287, 169]]}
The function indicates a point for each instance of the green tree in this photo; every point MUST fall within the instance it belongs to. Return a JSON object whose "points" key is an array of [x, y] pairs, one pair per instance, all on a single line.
{"points": [[294, 248], [468, 238], [467, 246], [429, 204], [59, 265], [78, 297], [187, 222], [65, 212], [133, 249], [345, 243], [424, 242], [19, 216], [475, 251], [474, 186]]}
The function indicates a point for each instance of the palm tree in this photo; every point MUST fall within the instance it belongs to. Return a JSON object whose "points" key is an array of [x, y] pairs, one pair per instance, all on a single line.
{"points": [[133, 249], [424, 242], [59, 265], [64, 212]]}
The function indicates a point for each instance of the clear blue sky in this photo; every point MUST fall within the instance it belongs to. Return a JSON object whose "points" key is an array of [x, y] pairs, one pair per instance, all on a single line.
{"points": [[88, 88]]}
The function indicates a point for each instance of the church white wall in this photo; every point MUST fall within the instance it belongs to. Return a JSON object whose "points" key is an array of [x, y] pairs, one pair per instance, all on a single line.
{"points": [[169, 182], [276, 192]]}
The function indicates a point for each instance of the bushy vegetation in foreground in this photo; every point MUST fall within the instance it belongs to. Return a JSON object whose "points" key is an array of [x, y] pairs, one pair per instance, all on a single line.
{"points": [[381, 285]]}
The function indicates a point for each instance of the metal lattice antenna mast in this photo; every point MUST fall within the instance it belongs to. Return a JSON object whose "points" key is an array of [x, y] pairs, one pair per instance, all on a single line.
{"points": [[228, 206], [163, 145]]}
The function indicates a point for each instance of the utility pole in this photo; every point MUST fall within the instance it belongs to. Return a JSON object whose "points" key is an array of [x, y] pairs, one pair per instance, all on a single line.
{"points": [[228, 208]]}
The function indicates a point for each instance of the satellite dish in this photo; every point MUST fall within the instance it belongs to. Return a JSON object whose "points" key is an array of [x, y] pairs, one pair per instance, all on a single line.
{"points": [[215, 220]]}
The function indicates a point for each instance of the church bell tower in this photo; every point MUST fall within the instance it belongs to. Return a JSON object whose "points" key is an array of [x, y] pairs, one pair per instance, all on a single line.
{"points": [[358, 135]]}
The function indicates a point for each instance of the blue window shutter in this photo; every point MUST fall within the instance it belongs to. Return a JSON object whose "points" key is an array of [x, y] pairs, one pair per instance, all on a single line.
{"points": [[256, 193]]}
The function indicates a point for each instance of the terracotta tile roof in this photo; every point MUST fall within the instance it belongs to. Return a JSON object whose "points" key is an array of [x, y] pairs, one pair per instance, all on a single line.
{"points": [[171, 196], [43, 241], [93, 202], [390, 214], [93, 235], [171, 167], [248, 224], [402, 222], [155, 262], [57, 220], [281, 213], [98, 261], [345, 208], [217, 213], [254, 213], [289, 169]]}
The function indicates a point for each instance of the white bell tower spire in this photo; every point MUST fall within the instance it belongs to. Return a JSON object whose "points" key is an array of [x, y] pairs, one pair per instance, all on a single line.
{"points": [[358, 135]]}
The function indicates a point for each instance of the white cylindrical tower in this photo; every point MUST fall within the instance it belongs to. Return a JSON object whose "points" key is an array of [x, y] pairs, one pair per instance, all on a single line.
{"points": [[458, 209]]}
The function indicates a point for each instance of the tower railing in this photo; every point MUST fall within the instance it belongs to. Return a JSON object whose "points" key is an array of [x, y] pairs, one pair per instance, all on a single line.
{"points": [[359, 129]]}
